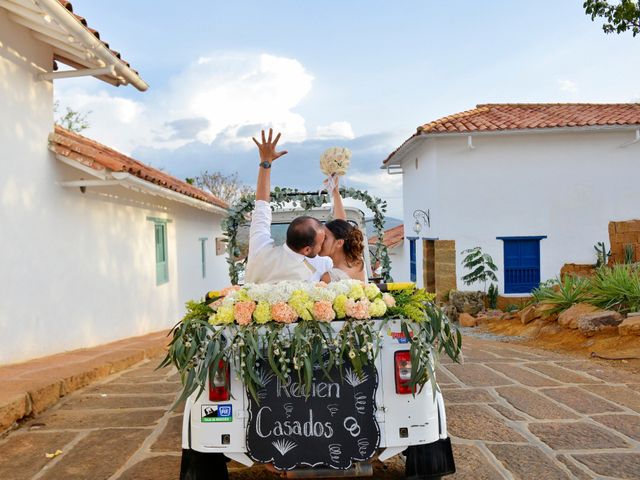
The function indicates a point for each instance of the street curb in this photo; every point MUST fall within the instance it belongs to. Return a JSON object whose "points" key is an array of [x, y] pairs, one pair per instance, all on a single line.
{"points": [[31, 387]]}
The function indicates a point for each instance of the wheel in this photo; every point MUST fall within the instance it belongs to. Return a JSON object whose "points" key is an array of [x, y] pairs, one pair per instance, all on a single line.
{"points": [[203, 466], [430, 461]]}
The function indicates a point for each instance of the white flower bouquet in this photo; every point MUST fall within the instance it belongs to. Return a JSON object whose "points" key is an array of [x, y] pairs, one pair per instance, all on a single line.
{"points": [[335, 161]]}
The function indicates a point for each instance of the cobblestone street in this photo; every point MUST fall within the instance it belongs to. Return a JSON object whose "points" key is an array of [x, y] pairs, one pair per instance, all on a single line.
{"points": [[513, 412]]}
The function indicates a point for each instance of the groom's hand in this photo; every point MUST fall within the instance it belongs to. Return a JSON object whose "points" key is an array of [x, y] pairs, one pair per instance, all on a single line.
{"points": [[268, 147]]}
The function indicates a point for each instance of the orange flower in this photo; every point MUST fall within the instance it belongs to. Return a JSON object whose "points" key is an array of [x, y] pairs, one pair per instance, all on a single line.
{"points": [[323, 311], [242, 312], [283, 312]]}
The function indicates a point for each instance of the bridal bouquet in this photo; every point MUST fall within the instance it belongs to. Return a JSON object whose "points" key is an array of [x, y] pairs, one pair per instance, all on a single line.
{"points": [[335, 161]]}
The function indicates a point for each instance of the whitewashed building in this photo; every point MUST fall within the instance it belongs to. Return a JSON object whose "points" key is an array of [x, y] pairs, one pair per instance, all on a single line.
{"points": [[95, 246], [534, 185]]}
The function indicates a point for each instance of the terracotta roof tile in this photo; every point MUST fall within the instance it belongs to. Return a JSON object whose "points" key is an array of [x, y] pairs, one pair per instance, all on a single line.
{"points": [[100, 157], [524, 116], [391, 238], [66, 4]]}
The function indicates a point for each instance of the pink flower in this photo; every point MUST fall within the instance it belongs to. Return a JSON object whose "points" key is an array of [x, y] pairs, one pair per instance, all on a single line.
{"points": [[389, 300], [358, 310], [242, 312], [323, 311], [226, 291], [283, 312]]}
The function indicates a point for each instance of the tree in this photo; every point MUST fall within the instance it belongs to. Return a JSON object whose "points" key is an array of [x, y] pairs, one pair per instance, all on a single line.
{"points": [[480, 265], [71, 120], [226, 187], [619, 18]]}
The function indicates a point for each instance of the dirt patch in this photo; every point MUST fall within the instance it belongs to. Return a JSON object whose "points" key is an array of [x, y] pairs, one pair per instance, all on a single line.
{"points": [[550, 336]]}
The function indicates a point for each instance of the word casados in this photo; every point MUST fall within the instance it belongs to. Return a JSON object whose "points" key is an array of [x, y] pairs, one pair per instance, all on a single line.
{"points": [[308, 428]]}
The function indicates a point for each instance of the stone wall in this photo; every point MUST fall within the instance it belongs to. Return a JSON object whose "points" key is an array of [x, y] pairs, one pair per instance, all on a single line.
{"points": [[621, 234], [445, 267], [579, 269]]}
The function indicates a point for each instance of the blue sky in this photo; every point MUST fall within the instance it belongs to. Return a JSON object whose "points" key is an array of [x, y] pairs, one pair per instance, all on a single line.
{"points": [[353, 73]]}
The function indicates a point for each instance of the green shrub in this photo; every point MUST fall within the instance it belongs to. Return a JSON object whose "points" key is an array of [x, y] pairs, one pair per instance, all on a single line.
{"points": [[492, 296], [617, 288], [629, 253], [512, 307], [567, 292]]}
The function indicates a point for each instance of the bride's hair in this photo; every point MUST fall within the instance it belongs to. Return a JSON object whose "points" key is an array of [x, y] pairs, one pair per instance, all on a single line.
{"points": [[353, 240]]}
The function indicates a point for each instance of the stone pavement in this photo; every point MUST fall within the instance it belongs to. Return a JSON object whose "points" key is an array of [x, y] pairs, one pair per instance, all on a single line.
{"points": [[513, 412]]}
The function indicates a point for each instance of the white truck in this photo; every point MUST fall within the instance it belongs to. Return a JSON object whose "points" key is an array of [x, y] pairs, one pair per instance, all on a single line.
{"points": [[336, 431]]}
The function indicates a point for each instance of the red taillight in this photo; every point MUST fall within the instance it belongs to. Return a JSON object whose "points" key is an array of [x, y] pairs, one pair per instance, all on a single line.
{"points": [[403, 372], [219, 382]]}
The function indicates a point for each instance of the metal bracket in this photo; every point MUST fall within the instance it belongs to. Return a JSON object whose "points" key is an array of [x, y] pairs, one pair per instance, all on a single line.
{"points": [[88, 72]]}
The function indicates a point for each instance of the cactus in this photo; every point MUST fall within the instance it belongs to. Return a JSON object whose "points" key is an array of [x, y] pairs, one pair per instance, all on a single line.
{"points": [[602, 254], [629, 254]]}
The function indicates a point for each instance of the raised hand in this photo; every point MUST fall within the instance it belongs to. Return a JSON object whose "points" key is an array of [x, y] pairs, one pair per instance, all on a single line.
{"points": [[268, 147]]}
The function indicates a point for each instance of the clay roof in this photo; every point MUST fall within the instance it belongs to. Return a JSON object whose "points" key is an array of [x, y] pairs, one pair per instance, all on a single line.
{"points": [[495, 117], [391, 238], [102, 158], [95, 33]]}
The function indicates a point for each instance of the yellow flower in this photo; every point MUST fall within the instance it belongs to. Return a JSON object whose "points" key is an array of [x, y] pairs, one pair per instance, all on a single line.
{"points": [[340, 306], [356, 292], [377, 308], [371, 290], [223, 316], [262, 313], [302, 304]]}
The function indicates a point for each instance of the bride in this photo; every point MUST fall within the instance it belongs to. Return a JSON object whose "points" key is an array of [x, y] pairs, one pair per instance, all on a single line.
{"points": [[344, 243]]}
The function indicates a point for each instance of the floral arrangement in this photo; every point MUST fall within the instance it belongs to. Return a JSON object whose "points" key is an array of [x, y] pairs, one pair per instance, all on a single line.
{"points": [[288, 325], [335, 161]]}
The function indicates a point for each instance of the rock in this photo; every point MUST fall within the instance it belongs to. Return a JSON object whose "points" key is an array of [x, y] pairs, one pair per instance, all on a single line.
{"points": [[528, 314], [489, 316], [509, 316], [451, 313], [467, 302], [592, 323], [467, 320], [569, 318], [544, 312], [630, 326]]}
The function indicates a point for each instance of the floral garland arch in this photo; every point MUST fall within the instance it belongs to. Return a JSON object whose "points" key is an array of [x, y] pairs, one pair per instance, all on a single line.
{"points": [[279, 197]]}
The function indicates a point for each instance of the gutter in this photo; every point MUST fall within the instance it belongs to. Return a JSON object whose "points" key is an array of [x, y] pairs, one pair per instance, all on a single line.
{"points": [[415, 138], [131, 182], [91, 42]]}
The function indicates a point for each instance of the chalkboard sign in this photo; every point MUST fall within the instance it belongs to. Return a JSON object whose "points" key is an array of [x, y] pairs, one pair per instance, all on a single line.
{"points": [[334, 426]]}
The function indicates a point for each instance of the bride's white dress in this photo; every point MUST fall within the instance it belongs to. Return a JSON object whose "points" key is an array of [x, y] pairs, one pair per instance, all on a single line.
{"points": [[336, 275]]}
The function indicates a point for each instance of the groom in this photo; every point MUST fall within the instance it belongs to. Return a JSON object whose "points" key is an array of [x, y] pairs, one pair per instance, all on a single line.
{"points": [[298, 258]]}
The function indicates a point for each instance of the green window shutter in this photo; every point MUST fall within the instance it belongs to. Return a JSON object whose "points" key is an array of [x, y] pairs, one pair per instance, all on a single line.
{"points": [[203, 256], [162, 251]]}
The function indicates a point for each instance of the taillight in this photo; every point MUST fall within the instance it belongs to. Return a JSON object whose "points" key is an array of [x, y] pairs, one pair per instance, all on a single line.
{"points": [[219, 382], [403, 372]]}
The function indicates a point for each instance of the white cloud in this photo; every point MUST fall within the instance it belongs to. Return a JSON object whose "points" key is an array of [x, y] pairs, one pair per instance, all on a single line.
{"points": [[568, 86], [223, 92], [335, 130]]}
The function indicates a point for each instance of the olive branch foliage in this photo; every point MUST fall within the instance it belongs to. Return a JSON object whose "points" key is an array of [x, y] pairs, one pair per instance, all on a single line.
{"points": [[199, 350]]}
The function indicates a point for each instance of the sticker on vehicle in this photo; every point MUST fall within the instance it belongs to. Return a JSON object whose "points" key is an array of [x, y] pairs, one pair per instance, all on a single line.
{"points": [[400, 337], [216, 413]]}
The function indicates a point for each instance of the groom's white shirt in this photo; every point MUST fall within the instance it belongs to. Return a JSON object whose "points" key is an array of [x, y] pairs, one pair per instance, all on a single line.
{"points": [[270, 263]]}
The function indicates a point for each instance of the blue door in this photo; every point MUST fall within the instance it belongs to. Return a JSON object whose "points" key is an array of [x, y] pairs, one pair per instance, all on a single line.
{"points": [[521, 264]]}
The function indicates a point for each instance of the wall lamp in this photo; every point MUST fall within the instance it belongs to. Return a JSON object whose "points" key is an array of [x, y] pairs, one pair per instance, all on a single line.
{"points": [[422, 218]]}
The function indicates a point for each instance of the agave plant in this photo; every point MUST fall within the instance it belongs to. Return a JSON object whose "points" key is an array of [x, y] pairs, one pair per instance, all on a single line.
{"points": [[617, 288], [568, 291]]}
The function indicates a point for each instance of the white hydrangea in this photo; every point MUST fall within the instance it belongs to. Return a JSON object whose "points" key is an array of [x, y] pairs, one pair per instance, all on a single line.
{"points": [[322, 293]]}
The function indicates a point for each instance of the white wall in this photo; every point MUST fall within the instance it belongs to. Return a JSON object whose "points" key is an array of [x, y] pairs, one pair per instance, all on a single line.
{"points": [[399, 263], [78, 270], [567, 186]]}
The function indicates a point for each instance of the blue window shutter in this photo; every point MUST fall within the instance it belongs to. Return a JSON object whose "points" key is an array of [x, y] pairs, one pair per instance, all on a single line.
{"points": [[412, 259], [521, 264]]}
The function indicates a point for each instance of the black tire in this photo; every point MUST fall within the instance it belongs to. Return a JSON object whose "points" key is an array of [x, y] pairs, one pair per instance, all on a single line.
{"points": [[203, 466], [430, 461]]}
